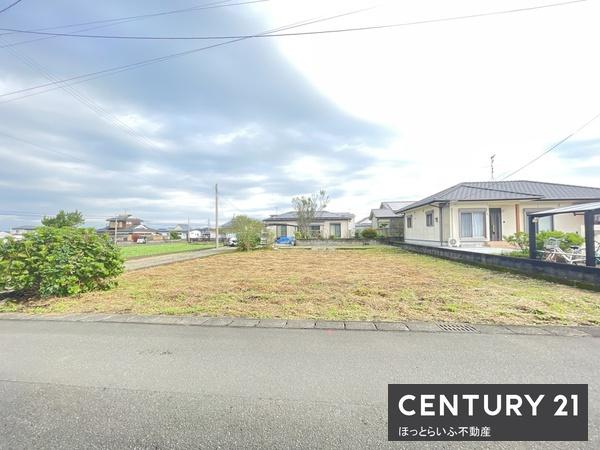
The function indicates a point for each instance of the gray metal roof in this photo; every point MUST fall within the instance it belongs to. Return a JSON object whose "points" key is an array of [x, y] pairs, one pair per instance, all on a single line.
{"points": [[383, 213], [580, 208], [321, 215], [395, 205], [509, 190]]}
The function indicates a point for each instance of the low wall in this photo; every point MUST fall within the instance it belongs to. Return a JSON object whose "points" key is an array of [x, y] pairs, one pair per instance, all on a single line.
{"points": [[335, 242], [564, 273]]}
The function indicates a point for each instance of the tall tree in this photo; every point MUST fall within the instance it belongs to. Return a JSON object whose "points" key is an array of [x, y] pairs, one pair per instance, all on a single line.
{"points": [[63, 219], [307, 209]]}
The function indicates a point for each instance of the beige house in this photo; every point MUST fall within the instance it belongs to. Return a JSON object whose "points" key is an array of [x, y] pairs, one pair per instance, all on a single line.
{"points": [[386, 221], [482, 213], [327, 225], [126, 228]]}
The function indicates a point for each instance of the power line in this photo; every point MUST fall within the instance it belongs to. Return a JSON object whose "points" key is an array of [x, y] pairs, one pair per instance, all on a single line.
{"points": [[45, 149], [300, 33], [85, 100], [200, 6], [114, 70], [559, 143], [118, 21], [10, 6]]}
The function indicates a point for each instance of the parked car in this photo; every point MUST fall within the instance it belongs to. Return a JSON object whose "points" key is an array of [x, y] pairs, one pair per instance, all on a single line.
{"points": [[141, 240], [285, 240], [232, 242]]}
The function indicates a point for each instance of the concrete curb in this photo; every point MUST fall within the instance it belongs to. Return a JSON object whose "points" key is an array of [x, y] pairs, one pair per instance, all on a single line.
{"points": [[357, 326]]}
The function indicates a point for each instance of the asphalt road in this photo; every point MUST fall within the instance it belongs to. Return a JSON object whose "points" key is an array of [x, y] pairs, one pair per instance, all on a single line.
{"points": [[170, 258], [108, 385]]}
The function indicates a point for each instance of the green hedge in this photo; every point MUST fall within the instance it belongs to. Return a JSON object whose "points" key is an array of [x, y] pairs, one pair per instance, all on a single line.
{"points": [[59, 262]]}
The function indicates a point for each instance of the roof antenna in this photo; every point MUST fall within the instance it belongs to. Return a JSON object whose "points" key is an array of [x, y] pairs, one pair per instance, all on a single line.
{"points": [[492, 165]]}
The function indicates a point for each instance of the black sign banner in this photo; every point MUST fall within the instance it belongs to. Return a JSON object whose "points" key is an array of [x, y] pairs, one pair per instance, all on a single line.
{"points": [[488, 412]]}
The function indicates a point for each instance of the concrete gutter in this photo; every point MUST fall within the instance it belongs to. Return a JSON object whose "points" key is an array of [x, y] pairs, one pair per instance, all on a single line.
{"points": [[311, 324]]}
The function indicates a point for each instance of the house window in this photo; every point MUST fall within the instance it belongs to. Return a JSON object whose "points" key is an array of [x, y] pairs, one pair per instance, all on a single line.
{"points": [[408, 221], [335, 230], [429, 219], [383, 223], [472, 224], [315, 230], [281, 230]]}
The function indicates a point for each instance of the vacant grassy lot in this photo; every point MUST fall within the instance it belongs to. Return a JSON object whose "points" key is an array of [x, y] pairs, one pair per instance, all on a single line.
{"points": [[142, 250], [385, 284]]}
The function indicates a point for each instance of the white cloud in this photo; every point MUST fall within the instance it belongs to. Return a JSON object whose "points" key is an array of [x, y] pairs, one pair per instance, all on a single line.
{"points": [[457, 92]]}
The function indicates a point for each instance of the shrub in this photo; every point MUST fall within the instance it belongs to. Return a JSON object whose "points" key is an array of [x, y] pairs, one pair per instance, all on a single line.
{"points": [[59, 261], [369, 233], [247, 231], [567, 239], [519, 254], [520, 239]]}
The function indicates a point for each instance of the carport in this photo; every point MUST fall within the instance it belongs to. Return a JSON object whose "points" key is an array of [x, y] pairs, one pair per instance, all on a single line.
{"points": [[588, 210]]}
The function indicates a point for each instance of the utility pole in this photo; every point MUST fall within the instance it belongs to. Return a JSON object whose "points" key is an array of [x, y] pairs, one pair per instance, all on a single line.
{"points": [[216, 216], [116, 216], [188, 231], [492, 165]]}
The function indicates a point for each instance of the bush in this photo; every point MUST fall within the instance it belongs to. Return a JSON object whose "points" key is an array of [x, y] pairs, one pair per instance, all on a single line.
{"points": [[568, 239], [369, 233], [519, 254], [520, 239], [59, 261], [248, 232]]}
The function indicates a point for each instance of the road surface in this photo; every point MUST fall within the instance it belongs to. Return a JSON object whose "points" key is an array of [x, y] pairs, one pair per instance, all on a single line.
{"points": [[120, 385], [170, 258]]}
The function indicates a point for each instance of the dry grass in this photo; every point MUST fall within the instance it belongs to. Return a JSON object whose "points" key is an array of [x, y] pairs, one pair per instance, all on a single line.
{"points": [[383, 284]]}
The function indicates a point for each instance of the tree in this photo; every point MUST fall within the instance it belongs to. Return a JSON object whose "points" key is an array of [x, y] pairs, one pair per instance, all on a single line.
{"points": [[174, 235], [369, 233], [306, 210], [248, 232], [64, 219], [59, 261]]}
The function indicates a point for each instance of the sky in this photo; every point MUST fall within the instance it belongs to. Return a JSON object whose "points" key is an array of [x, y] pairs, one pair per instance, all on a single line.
{"points": [[369, 116]]}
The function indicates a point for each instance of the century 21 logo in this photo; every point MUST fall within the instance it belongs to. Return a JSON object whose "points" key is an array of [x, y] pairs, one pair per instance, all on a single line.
{"points": [[503, 404]]}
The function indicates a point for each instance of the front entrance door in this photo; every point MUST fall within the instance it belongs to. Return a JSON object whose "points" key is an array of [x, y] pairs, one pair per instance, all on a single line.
{"points": [[495, 224]]}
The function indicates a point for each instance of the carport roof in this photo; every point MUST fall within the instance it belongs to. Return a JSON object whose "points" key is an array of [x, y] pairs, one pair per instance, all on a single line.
{"points": [[581, 208]]}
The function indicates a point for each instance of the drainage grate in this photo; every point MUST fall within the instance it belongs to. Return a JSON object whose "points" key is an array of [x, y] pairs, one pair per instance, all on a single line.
{"points": [[457, 327]]}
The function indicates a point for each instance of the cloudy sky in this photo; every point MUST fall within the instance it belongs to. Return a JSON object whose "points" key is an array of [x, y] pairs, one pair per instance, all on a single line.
{"points": [[389, 114]]}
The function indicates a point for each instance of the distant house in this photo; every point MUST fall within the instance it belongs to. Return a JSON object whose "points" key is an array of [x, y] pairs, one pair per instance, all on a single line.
{"points": [[481, 213], [4, 235], [129, 228], [387, 221], [326, 224], [361, 225], [22, 229], [205, 233]]}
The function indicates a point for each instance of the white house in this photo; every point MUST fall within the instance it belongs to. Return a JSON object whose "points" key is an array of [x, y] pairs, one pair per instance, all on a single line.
{"points": [[482, 213]]}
